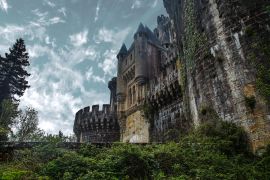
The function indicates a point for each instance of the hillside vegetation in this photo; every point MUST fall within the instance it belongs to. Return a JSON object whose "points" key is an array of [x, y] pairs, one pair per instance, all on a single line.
{"points": [[216, 150]]}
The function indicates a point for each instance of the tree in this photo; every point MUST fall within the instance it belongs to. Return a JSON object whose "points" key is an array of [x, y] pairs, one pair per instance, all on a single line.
{"points": [[60, 134], [13, 75], [7, 115], [27, 124]]}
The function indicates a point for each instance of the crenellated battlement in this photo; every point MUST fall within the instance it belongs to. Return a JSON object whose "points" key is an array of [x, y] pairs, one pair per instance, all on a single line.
{"points": [[98, 124]]}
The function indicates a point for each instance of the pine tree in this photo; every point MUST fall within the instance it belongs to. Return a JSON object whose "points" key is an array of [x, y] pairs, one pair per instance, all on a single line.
{"points": [[13, 75]]}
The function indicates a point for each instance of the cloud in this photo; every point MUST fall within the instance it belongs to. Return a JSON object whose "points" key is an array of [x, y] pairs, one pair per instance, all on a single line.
{"points": [[154, 4], [90, 76], [109, 64], [4, 5], [53, 87], [68, 69], [10, 32], [43, 19], [39, 14], [63, 11], [49, 3], [97, 11], [79, 39], [136, 4], [55, 20], [52, 42], [116, 37]]}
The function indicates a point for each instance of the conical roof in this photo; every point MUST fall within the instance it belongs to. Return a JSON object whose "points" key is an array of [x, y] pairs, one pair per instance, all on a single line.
{"points": [[140, 28], [151, 36], [123, 50]]}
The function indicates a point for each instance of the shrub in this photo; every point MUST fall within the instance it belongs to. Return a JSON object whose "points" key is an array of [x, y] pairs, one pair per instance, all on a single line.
{"points": [[235, 136], [71, 165], [250, 102]]}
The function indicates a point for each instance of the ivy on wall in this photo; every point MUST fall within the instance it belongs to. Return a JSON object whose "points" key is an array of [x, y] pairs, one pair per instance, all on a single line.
{"points": [[259, 57], [192, 40], [149, 112]]}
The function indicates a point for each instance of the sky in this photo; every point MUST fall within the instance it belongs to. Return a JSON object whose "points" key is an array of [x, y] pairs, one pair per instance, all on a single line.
{"points": [[72, 46]]}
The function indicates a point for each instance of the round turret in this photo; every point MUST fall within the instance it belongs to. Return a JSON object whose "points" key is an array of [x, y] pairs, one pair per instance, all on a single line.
{"points": [[96, 126], [140, 40], [120, 90]]}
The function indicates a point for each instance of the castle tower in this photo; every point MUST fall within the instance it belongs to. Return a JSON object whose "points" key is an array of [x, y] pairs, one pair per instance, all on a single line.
{"points": [[121, 88], [120, 82], [112, 85], [140, 41], [98, 126], [135, 68]]}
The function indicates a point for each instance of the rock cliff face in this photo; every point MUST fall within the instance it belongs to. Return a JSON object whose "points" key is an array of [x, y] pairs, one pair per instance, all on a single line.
{"points": [[224, 55]]}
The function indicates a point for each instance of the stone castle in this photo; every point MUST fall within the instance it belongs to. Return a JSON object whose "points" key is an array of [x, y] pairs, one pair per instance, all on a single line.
{"points": [[207, 56]]}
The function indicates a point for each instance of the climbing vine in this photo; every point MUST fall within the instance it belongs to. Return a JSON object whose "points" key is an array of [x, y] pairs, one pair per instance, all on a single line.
{"points": [[192, 38], [148, 112], [259, 57]]}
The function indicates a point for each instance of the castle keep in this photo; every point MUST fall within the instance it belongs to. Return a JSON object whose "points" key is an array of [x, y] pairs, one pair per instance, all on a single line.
{"points": [[207, 56]]}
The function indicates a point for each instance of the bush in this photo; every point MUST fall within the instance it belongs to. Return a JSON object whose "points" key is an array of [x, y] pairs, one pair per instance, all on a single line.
{"points": [[225, 131], [133, 162], [215, 150], [250, 102], [70, 166]]}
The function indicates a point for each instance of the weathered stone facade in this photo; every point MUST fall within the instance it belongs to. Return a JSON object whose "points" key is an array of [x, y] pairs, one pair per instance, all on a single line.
{"points": [[149, 101], [218, 43]]}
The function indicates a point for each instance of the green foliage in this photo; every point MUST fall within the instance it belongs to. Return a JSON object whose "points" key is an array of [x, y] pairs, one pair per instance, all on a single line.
{"points": [[250, 102], [70, 166], [259, 57], [88, 150], [149, 111], [8, 112], [134, 163], [13, 174], [249, 32], [193, 40], [34, 159], [26, 124], [215, 150], [267, 8], [263, 82], [236, 138], [13, 75], [172, 135]]}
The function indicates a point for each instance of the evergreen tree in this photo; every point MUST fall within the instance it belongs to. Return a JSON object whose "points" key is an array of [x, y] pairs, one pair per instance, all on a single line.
{"points": [[13, 75]]}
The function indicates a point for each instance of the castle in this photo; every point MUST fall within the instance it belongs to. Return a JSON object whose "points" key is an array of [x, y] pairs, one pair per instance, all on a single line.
{"points": [[147, 79], [207, 56]]}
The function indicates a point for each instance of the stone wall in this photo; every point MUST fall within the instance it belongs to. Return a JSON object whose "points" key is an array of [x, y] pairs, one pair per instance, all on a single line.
{"points": [[137, 129], [216, 51], [96, 126]]}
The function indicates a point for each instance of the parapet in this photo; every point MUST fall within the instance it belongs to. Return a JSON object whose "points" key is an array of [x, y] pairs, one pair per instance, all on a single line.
{"points": [[95, 110], [96, 125]]}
